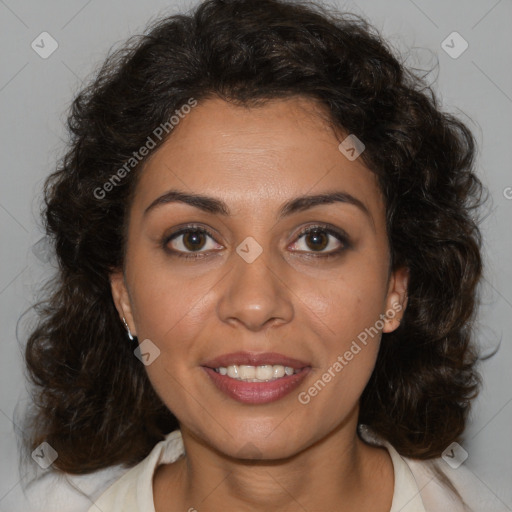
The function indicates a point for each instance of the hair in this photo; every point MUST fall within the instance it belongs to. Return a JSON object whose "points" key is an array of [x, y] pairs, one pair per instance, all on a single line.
{"points": [[93, 401]]}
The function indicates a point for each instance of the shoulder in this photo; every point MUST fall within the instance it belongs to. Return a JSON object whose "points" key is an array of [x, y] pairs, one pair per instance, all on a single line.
{"points": [[112, 489], [436, 484], [54, 490], [133, 491], [440, 484]]}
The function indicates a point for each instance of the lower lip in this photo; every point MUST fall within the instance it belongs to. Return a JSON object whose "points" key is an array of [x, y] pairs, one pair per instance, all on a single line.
{"points": [[257, 392]]}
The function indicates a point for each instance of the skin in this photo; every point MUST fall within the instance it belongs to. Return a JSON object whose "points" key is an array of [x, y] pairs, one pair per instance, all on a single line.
{"points": [[255, 159]]}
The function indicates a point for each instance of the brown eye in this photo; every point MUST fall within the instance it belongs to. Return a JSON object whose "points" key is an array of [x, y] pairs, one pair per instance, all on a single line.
{"points": [[193, 240], [189, 240], [317, 240]]}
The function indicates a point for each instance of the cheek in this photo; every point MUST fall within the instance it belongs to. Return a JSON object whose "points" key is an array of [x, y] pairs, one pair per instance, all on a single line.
{"points": [[345, 314], [170, 311], [167, 299], [344, 306], [349, 337]]}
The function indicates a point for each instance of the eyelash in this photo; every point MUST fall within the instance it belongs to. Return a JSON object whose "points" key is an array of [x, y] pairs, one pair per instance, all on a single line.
{"points": [[340, 235]]}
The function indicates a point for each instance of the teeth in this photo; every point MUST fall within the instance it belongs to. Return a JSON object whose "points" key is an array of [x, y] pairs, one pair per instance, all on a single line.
{"points": [[263, 373], [233, 372], [248, 372], [279, 371]]}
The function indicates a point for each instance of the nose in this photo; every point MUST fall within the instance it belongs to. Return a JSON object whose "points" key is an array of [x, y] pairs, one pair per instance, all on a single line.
{"points": [[255, 295]]}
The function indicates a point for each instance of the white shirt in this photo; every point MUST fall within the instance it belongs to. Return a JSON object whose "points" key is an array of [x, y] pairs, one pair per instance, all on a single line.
{"points": [[416, 487]]}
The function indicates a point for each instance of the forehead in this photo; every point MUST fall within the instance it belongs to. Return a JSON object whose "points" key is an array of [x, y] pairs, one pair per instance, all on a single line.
{"points": [[256, 157]]}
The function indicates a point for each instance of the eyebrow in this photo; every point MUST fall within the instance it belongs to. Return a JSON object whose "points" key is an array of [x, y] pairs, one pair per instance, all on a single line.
{"points": [[298, 204]]}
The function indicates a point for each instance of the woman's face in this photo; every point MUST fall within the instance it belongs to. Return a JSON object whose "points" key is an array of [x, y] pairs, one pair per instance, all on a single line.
{"points": [[257, 285]]}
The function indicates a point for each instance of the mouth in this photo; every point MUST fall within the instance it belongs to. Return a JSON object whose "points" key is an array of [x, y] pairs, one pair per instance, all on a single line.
{"points": [[256, 378], [262, 373]]}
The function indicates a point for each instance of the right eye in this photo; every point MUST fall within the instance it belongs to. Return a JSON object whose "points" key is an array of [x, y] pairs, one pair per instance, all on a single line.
{"points": [[188, 241]]}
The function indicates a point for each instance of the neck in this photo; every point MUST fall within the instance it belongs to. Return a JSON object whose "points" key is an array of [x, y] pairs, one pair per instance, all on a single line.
{"points": [[339, 472]]}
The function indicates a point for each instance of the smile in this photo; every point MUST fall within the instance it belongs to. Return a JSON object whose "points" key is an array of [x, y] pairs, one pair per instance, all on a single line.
{"points": [[256, 391], [263, 373]]}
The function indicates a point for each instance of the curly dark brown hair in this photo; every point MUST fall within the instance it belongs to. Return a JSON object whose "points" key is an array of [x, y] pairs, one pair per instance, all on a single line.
{"points": [[93, 400]]}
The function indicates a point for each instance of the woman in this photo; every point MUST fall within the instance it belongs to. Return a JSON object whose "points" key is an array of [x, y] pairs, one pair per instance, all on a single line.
{"points": [[268, 269]]}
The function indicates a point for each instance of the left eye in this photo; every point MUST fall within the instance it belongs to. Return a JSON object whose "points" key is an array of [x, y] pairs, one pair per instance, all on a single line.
{"points": [[318, 239]]}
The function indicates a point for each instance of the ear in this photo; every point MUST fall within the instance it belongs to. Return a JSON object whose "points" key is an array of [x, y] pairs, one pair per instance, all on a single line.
{"points": [[122, 299], [396, 300]]}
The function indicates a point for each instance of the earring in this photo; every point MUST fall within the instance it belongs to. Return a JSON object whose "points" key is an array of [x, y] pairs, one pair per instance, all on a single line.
{"points": [[130, 335]]}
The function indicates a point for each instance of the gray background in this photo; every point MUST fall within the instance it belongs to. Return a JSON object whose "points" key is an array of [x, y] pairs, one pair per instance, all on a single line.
{"points": [[35, 94]]}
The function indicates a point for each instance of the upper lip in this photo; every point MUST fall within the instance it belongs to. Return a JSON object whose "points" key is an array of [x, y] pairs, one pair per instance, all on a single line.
{"points": [[254, 359]]}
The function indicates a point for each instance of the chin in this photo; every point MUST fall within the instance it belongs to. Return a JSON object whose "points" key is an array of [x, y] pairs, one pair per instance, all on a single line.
{"points": [[272, 442]]}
